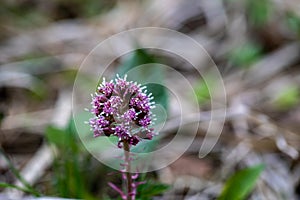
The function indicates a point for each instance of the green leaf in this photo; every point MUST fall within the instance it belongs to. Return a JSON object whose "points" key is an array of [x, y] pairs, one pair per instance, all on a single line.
{"points": [[153, 74], [102, 143], [145, 146], [71, 128], [56, 136], [150, 189], [79, 126], [139, 57], [65, 138], [240, 185]]}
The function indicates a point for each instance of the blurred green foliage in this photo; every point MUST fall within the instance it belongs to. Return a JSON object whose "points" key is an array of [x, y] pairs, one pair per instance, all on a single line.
{"points": [[259, 11], [203, 90], [70, 178], [83, 9], [30, 13], [287, 98], [239, 186], [293, 22], [21, 14], [245, 55]]}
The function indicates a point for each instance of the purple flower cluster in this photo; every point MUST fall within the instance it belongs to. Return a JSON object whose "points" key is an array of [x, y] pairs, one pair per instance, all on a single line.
{"points": [[123, 109]]}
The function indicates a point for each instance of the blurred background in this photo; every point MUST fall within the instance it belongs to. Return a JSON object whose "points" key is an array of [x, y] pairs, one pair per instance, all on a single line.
{"points": [[255, 45]]}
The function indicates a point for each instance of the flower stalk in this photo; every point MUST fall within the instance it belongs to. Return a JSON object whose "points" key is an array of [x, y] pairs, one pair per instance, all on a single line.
{"points": [[130, 193]]}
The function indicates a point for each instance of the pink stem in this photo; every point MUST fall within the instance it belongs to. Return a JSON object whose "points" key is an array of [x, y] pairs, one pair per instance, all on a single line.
{"points": [[113, 186]]}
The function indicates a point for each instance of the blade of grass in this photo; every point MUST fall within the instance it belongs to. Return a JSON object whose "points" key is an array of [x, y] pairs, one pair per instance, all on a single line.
{"points": [[6, 185], [18, 175]]}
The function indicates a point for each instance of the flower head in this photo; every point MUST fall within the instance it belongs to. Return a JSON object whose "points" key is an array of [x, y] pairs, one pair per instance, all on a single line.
{"points": [[122, 109]]}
